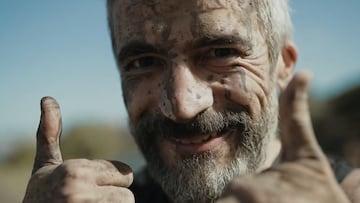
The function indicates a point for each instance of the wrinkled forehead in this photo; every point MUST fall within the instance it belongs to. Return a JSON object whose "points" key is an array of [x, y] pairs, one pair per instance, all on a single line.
{"points": [[146, 20], [150, 7]]}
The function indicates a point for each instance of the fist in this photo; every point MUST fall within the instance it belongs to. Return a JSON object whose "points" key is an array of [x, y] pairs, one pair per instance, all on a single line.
{"points": [[76, 180]]}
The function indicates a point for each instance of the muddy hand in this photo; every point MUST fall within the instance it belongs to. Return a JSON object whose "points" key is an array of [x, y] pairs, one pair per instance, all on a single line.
{"points": [[304, 175], [76, 180], [48, 135]]}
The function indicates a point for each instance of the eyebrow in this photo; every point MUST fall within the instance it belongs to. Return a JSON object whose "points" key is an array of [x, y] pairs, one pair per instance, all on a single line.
{"points": [[134, 48], [138, 47], [218, 40]]}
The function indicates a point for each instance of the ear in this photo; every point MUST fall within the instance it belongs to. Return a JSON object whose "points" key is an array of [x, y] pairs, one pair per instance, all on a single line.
{"points": [[286, 64]]}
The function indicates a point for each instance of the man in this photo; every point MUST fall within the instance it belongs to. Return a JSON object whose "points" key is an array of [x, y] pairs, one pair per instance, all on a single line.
{"points": [[200, 81]]}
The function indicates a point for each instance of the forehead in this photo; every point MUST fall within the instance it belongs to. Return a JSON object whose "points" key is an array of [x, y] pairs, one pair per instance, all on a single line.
{"points": [[160, 21]]}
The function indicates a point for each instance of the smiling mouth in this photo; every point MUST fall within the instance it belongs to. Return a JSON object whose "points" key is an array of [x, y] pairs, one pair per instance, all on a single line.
{"points": [[198, 143], [199, 139]]}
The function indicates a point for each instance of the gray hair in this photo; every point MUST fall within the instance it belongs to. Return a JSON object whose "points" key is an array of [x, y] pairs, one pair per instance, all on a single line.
{"points": [[273, 17], [275, 24]]}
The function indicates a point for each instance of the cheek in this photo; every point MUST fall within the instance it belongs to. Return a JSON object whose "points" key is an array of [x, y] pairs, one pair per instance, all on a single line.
{"points": [[141, 96], [241, 90]]}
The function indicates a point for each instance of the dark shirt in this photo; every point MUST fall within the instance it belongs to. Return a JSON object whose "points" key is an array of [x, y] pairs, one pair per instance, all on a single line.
{"points": [[146, 190], [340, 167]]}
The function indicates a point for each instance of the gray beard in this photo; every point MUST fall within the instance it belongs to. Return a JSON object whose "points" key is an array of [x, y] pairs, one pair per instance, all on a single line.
{"points": [[200, 177]]}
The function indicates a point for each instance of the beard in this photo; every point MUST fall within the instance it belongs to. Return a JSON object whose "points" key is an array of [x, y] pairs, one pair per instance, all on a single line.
{"points": [[202, 177]]}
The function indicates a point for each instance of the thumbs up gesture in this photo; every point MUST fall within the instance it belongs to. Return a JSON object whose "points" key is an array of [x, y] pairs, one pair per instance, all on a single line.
{"points": [[304, 174], [76, 180]]}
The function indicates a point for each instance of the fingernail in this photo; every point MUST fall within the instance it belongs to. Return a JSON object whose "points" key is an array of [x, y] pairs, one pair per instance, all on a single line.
{"points": [[48, 102]]}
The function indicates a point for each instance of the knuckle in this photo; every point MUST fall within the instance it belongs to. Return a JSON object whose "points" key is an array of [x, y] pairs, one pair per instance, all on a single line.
{"points": [[73, 173], [74, 163], [80, 162], [124, 170], [75, 168]]}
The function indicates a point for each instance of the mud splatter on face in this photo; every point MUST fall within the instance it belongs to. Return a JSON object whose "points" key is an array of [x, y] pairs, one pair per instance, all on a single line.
{"points": [[155, 28], [222, 81], [163, 26], [247, 17], [206, 5], [210, 78], [243, 79], [189, 90], [166, 30], [152, 5], [150, 8], [195, 26], [227, 93], [169, 87], [174, 29], [128, 85]]}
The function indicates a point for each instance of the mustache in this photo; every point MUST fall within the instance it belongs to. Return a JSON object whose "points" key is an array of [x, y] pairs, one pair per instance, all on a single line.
{"points": [[207, 122]]}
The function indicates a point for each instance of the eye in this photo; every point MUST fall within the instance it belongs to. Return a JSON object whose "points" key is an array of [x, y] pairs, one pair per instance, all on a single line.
{"points": [[220, 57], [144, 63], [222, 52]]}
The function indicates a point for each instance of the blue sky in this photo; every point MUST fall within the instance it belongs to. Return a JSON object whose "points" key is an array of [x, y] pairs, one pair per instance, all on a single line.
{"points": [[62, 49]]}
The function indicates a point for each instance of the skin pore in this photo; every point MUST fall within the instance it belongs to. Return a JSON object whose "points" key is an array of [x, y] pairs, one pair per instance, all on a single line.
{"points": [[200, 91]]}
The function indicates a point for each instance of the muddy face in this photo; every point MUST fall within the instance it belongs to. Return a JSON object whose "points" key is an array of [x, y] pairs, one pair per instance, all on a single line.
{"points": [[198, 89]]}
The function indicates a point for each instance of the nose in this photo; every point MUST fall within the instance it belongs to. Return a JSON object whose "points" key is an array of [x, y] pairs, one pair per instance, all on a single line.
{"points": [[184, 95]]}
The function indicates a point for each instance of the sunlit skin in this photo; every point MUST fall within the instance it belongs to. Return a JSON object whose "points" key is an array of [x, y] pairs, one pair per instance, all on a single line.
{"points": [[170, 67]]}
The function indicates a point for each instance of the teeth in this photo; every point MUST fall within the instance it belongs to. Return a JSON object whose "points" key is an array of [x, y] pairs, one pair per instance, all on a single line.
{"points": [[203, 139], [187, 141]]}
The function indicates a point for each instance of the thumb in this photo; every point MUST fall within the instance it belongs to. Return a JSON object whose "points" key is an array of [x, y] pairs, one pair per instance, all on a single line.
{"points": [[48, 135], [297, 134]]}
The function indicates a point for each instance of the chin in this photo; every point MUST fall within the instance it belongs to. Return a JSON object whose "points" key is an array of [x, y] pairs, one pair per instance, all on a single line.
{"points": [[197, 173], [200, 177], [194, 162]]}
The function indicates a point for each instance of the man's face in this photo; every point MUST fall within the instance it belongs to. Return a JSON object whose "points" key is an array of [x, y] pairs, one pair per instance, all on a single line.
{"points": [[199, 89]]}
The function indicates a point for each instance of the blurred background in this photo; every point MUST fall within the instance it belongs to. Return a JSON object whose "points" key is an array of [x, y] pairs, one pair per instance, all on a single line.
{"points": [[62, 49]]}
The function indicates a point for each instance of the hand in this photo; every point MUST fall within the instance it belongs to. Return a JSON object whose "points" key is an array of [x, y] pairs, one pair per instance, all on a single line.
{"points": [[77, 180], [304, 174], [351, 185]]}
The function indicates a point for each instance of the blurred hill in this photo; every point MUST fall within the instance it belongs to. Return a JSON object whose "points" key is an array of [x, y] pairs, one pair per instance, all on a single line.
{"points": [[336, 123]]}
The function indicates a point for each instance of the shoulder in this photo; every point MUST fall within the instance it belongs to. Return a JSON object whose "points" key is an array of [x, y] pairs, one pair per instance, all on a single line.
{"points": [[145, 189]]}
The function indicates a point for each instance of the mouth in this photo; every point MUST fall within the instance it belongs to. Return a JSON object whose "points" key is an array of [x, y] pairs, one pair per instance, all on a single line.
{"points": [[197, 143]]}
